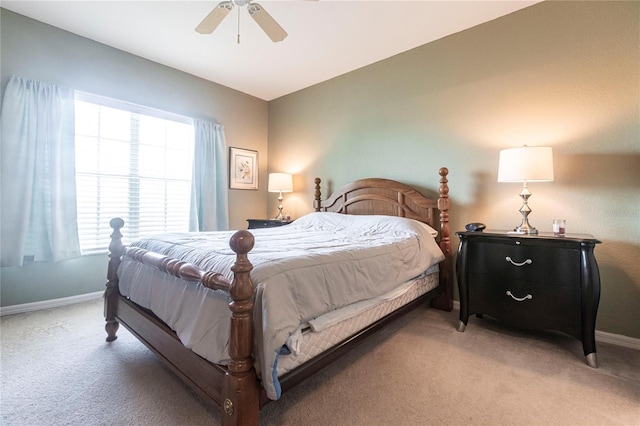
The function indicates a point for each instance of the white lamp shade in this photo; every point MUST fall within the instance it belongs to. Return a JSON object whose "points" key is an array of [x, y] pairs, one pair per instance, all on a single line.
{"points": [[280, 182], [526, 164]]}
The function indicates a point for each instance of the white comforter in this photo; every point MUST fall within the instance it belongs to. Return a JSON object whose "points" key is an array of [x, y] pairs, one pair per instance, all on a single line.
{"points": [[319, 263]]}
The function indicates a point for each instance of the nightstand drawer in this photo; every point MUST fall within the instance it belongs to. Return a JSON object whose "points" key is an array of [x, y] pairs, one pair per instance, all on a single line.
{"points": [[526, 262], [522, 302]]}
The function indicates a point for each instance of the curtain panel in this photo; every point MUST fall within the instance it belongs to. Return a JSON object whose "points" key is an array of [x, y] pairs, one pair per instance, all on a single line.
{"points": [[209, 190], [38, 198]]}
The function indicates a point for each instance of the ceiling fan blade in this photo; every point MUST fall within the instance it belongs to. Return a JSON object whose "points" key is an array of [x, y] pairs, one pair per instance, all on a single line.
{"points": [[266, 22], [214, 18]]}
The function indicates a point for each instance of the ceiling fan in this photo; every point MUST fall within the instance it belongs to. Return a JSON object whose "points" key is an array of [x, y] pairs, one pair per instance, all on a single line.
{"points": [[263, 19]]}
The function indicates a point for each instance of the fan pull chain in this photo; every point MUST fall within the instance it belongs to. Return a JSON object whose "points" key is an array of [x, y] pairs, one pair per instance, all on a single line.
{"points": [[238, 25]]}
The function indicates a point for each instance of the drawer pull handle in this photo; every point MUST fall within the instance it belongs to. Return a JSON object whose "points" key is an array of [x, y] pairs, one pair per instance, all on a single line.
{"points": [[519, 299], [526, 262]]}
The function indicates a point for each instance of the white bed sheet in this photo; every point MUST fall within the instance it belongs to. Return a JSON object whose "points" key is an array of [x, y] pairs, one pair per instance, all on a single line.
{"points": [[300, 271]]}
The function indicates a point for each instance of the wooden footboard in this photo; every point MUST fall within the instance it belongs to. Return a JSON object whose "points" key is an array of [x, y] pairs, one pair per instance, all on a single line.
{"points": [[234, 389]]}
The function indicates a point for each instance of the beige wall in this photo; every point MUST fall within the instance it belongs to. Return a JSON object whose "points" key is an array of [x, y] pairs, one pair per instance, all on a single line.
{"points": [[561, 74]]}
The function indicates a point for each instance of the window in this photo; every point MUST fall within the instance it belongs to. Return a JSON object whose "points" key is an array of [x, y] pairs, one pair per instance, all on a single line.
{"points": [[131, 162]]}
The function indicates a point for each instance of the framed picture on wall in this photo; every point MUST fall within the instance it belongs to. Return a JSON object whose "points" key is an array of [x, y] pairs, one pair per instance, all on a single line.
{"points": [[243, 169]]}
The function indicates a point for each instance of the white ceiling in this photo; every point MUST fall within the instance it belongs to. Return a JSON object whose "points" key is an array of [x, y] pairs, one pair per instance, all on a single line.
{"points": [[327, 38]]}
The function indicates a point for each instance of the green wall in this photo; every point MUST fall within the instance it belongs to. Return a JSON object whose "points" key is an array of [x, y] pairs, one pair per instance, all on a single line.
{"points": [[560, 74], [34, 50]]}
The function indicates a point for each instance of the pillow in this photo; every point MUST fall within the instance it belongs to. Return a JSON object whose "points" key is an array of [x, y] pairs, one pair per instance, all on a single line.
{"points": [[369, 223]]}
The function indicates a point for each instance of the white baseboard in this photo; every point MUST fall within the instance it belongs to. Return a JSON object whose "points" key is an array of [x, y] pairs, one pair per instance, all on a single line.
{"points": [[47, 304], [601, 336], [618, 339]]}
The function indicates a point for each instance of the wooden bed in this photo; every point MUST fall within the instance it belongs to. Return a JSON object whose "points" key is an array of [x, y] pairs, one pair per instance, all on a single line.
{"points": [[235, 388]]}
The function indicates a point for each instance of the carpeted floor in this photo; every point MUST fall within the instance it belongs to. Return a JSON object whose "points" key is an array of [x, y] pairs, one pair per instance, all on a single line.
{"points": [[57, 369]]}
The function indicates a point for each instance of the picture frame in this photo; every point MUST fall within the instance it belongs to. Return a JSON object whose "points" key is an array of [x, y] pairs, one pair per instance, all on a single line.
{"points": [[243, 169]]}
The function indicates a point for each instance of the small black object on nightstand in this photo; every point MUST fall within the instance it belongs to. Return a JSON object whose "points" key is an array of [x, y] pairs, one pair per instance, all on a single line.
{"points": [[475, 227]]}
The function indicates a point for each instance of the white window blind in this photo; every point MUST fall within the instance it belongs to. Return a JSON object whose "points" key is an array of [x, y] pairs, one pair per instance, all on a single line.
{"points": [[131, 162]]}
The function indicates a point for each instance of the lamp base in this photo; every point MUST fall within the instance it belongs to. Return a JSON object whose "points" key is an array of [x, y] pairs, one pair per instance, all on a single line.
{"points": [[280, 216], [524, 227]]}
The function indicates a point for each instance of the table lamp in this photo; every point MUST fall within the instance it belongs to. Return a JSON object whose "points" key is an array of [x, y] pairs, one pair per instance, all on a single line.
{"points": [[526, 164], [280, 182]]}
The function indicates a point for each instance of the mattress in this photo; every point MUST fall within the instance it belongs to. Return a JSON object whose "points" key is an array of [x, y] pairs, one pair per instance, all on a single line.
{"points": [[310, 340], [319, 264]]}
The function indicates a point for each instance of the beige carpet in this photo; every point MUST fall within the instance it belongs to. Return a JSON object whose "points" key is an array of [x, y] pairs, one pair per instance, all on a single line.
{"points": [[57, 369]]}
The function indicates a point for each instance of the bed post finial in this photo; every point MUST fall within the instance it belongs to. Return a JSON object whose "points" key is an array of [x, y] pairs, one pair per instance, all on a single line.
{"points": [[241, 392], [445, 300], [317, 201], [111, 293]]}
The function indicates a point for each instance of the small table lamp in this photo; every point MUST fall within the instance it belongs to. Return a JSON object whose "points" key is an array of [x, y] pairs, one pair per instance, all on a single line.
{"points": [[526, 164], [280, 182]]}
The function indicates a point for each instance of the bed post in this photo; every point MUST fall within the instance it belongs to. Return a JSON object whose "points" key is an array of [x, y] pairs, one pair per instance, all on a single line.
{"points": [[111, 293], [444, 301], [240, 405], [317, 201]]}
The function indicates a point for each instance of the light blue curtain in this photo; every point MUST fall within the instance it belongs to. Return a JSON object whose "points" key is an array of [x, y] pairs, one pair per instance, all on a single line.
{"points": [[209, 190], [38, 198]]}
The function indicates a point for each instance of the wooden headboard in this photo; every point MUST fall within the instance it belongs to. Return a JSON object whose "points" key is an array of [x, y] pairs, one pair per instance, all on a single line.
{"points": [[391, 198]]}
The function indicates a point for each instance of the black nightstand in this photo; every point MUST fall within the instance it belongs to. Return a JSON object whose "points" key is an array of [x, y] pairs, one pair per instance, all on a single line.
{"points": [[266, 223], [538, 282]]}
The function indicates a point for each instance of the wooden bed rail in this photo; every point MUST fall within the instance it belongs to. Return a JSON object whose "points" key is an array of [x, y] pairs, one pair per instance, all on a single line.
{"points": [[179, 269], [240, 387]]}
